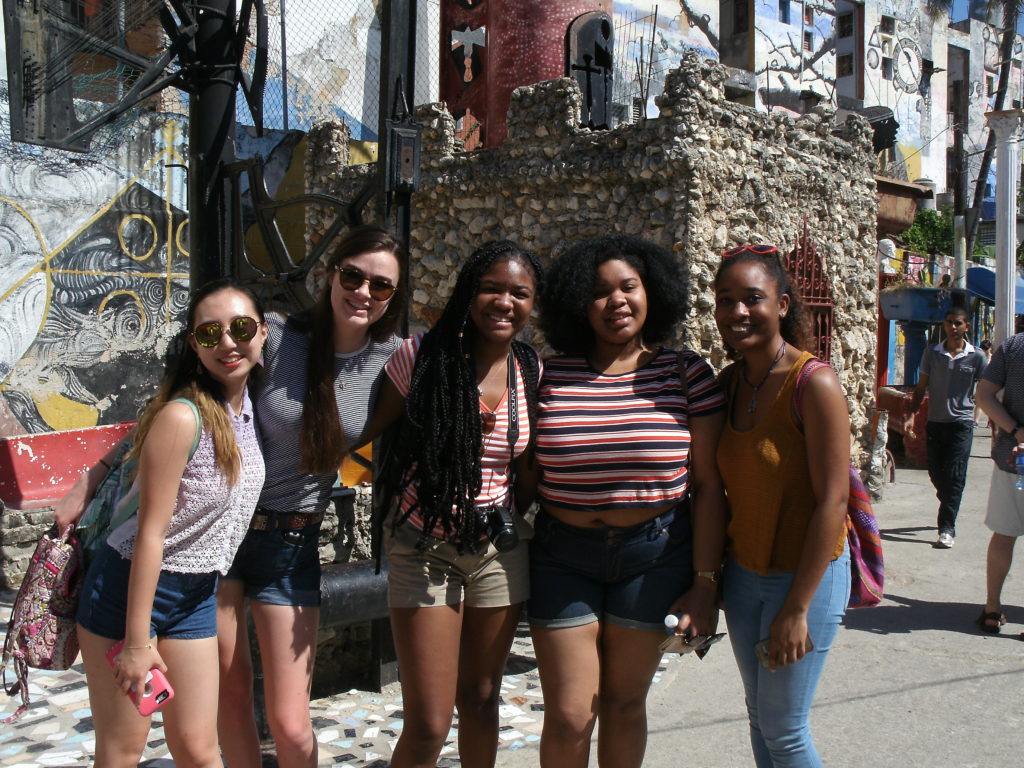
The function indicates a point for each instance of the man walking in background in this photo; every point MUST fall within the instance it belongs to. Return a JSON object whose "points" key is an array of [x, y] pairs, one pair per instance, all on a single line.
{"points": [[949, 371]]}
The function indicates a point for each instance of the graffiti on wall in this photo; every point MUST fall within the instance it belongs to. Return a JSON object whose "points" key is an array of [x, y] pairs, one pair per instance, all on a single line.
{"points": [[796, 55], [94, 278]]}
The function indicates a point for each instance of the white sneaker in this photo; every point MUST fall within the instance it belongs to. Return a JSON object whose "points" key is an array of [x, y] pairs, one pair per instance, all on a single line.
{"points": [[945, 541]]}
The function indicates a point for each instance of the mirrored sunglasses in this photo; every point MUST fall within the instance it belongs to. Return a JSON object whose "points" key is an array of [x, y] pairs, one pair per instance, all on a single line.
{"points": [[761, 249], [241, 328], [353, 279]]}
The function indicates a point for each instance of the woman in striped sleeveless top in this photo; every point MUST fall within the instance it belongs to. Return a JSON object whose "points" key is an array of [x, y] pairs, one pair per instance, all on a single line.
{"points": [[632, 516], [457, 555]]}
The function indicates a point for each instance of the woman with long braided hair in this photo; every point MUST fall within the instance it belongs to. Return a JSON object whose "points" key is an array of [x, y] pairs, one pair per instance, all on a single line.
{"points": [[458, 564]]}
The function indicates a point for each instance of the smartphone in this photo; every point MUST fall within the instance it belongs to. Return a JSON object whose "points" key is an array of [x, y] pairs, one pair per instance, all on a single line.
{"points": [[761, 650], [157, 691]]}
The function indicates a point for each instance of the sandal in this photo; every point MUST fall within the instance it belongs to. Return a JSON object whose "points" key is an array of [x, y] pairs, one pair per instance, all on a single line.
{"points": [[990, 622]]}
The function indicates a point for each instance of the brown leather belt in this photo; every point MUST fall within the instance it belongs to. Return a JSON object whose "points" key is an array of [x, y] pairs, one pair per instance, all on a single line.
{"points": [[262, 521]]}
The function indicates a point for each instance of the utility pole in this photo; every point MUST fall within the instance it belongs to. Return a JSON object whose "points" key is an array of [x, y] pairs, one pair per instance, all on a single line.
{"points": [[211, 140]]}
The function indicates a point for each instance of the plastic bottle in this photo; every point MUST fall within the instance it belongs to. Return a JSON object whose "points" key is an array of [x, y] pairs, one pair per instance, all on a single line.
{"points": [[1018, 463]]}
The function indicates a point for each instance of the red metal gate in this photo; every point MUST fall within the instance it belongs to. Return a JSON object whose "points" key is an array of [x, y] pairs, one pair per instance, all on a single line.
{"points": [[804, 265]]}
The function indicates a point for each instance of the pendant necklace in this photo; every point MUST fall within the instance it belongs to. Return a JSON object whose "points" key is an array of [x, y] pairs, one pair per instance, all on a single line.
{"points": [[752, 406]]}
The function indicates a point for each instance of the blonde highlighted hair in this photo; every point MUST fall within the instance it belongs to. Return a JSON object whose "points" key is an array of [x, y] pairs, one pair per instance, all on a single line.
{"points": [[187, 378]]}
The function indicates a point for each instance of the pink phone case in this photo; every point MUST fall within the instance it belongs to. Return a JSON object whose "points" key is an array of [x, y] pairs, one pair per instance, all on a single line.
{"points": [[157, 693]]}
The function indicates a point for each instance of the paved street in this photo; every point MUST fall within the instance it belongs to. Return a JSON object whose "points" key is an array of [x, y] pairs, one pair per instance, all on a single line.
{"points": [[909, 683]]}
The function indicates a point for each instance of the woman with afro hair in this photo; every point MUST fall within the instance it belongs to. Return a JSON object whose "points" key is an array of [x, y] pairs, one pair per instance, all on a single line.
{"points": [[458, 567], [632, 519]]}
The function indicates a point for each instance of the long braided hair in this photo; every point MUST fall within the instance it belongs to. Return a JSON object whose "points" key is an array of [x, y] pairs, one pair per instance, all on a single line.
{"points": [[439, 446]]}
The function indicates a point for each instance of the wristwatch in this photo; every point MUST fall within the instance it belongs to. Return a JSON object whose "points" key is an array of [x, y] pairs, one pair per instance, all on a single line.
{"points": [[712, 576]]}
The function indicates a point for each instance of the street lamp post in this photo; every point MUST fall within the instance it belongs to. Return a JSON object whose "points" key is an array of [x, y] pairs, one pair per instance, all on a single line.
{"points": [[1006, 124]]}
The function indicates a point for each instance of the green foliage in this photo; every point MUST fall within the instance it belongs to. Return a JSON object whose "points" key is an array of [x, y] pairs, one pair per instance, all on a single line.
{"points": [[932, 232]]}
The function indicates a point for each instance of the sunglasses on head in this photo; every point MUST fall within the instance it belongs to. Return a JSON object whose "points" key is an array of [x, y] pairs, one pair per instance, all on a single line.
{"points": [[241, 328], [760, 249], [352, 279]]}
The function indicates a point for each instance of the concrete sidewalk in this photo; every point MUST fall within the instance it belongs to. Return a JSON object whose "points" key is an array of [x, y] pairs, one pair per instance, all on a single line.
{"points": [[911, 682]]}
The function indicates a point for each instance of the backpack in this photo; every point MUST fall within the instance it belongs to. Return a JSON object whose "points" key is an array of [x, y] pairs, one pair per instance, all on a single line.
{"points": [[116, 498], [863, 538], [41, 631]]}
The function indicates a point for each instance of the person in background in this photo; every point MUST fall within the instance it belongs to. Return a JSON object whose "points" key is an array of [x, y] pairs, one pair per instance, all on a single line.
{"points": [[986, 347], [322, 372], [948, 374], [632, 519], [154, 581], [785, 464], [456, 537], [1005, 516]]}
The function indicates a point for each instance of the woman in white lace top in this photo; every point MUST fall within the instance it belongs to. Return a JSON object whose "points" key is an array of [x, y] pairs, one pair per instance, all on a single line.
{"points": [[153, 583]]}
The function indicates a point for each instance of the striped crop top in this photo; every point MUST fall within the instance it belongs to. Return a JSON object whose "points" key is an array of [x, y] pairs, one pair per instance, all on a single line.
{"points": [[614, 441]]}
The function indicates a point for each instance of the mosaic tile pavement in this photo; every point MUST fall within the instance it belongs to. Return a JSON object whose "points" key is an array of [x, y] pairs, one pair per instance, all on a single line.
{"points": [[355, 728]]}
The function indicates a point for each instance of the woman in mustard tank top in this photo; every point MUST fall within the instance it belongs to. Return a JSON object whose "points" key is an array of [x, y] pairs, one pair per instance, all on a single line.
{"points": [[787, 575]]}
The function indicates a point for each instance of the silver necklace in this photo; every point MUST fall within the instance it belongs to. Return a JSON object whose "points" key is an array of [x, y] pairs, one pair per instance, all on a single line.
{"points": [[752, 406]]}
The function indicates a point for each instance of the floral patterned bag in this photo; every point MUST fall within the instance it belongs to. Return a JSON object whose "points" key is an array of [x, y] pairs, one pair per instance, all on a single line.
{"points": [[41, 632]]}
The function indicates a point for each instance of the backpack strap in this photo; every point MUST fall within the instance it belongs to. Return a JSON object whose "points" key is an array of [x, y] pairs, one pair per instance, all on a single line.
{"points": [[796, 410], [199, 424], [683, 358]]}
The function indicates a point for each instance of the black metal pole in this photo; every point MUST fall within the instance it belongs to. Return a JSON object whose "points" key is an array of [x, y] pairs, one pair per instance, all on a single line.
{"points": [[211, 140]]}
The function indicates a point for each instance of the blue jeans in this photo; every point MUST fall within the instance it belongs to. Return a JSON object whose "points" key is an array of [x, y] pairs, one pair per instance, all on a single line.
{"points": [[779, 702], [949, 449], [280, 567]]}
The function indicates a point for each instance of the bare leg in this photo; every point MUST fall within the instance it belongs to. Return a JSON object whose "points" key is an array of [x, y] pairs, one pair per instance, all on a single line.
{"points": [[190, 718], [487, 637], [236, 722], [120, 730], [629, 659], [287, 637], [1000, 557], [569, 661], [427, 644]]}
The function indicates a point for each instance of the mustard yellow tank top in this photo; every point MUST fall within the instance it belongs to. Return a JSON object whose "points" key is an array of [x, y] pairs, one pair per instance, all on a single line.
{"points": [[768, 485]]}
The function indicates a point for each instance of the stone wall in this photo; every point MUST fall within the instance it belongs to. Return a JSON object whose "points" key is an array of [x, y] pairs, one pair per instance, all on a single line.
{"points": [[703, 176]]}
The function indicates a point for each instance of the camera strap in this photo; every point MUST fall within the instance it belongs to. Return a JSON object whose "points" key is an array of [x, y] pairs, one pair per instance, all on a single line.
{"points": [[513, 407]]}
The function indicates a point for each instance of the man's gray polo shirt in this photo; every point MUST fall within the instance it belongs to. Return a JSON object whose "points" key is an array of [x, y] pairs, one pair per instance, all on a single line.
{"points": [[951, 382]]}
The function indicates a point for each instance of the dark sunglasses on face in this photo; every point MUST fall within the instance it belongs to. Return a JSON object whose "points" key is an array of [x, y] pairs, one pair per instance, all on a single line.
{"points": [[242, 328], [352, 279], [760, 249]]}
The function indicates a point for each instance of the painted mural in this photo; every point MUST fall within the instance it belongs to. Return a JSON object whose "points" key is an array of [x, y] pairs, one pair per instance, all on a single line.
{"points": [[94, 276], [795, 54], [650, 39]]}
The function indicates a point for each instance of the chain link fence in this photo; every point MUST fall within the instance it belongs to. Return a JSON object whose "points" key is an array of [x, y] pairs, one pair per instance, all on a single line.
{"points": [[324, 63]]}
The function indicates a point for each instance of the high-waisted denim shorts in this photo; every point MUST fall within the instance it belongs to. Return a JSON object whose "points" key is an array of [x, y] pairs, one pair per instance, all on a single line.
{"points": [[184, 606], [280, 567], [627, 576]]}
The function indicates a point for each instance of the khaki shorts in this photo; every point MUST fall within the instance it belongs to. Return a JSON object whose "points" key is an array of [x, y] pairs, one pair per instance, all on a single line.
{"points": [[1005, 504], [439, 575]]}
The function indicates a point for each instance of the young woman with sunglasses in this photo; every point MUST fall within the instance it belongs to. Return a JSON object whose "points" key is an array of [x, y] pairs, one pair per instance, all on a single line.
{"points": [[632, 517], [785, 465], [322, 370], [456, 585], [153, 584]]}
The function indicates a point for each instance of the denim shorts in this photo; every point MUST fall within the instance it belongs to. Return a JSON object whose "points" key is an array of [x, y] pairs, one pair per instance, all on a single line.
{"points": [[626, 576], [184, 606], [280, 567]]}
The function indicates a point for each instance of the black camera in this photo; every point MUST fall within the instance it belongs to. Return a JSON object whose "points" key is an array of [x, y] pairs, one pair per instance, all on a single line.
{"points": [[500, 527]]}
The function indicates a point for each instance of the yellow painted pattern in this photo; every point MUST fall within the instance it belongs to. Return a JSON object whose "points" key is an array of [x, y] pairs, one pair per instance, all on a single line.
{"points": [[61, 413], [352, 473]]}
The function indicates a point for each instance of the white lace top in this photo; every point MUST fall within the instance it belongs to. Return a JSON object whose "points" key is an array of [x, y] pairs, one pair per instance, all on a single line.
{"points": [[210, 517]]}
